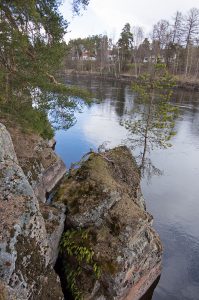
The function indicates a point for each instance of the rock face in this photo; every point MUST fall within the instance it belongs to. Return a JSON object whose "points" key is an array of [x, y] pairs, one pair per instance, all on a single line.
{"points": [[27, 239], [54, 218], [42, 167], [109, 249]]}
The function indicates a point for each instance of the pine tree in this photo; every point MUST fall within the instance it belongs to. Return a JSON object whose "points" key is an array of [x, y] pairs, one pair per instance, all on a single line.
{"points": [[32, 48], [125, 45], [153, 125]]}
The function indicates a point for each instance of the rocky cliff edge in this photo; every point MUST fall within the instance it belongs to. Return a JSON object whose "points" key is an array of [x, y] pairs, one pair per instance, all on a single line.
{"points": [[109, 250], [29, 232]]}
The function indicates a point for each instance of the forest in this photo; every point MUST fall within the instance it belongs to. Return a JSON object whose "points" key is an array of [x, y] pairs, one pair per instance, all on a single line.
{"points": [[174, 43]]}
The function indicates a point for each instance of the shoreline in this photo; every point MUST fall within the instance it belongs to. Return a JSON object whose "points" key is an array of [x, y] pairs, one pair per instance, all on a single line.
{"points": [[187, 85]]}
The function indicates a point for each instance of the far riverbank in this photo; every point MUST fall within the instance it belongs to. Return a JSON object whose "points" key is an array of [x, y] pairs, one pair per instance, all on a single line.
{"points": [[182, 83]]}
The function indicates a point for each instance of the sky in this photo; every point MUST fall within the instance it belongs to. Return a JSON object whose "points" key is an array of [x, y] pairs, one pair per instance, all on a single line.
{"points": [[109, 16]]}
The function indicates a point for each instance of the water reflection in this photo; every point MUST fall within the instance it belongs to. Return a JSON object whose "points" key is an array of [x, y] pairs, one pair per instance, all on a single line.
{"points": [[118, 100], [171, 198]]}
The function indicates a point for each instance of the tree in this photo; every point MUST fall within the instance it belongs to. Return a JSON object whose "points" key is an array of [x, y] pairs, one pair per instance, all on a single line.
{"points": [[177, 28], [144, 49], [26, 40], [31, 52], [173, 49], [191, 26], [138, 35], [190, 31], [153, 125], [76, 47], [161, 33], [103, 52], [125, 44], [96, 47], [78, 5]]}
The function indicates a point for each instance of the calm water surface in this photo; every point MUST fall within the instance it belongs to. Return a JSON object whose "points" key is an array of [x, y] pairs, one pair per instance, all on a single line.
{"points": [[173, 198]]}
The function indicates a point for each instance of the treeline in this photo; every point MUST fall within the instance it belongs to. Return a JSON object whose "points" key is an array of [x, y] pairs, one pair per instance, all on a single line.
{"points": [[174, 43]]}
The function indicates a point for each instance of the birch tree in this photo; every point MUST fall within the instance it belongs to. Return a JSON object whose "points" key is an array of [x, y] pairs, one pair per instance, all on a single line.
{"points": [[190, 32]]}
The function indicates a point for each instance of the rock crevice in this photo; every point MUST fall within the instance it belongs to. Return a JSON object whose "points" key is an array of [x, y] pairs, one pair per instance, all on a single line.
{"points": [[28, 241], [109, 250]]}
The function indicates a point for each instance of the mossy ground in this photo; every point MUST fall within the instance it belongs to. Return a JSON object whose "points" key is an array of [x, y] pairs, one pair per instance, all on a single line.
{"points": [[89, 184]]}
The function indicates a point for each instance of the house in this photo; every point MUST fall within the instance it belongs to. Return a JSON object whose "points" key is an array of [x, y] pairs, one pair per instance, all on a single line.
{"points": [[86, 56], [153, 59]]}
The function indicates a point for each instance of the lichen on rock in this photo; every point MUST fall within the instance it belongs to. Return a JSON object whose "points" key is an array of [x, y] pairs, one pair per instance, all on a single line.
{"points": [[26, 268], [42, 167]]}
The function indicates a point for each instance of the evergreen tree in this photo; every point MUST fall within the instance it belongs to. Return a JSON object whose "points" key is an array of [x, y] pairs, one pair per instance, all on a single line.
{"points": [[125, 44], [153, 125], [32, 48]]}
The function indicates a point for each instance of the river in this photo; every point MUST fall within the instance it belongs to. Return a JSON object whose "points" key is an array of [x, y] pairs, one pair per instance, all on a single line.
{"points": [[172, 198]]}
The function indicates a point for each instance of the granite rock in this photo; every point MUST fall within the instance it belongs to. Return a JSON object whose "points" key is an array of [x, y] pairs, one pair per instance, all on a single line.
{"points": [[42, 167], [26, 256]]}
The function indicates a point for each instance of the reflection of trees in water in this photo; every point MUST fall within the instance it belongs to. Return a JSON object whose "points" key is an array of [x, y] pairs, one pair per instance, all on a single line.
{"points": [[188, 103], [181, 96], [147, 167], [103, 90], [120, 99], [152, 122], [195, 122]]}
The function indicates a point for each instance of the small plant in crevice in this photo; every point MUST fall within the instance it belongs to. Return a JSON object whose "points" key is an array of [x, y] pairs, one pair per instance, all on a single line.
{"points": [[78, 257]]}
